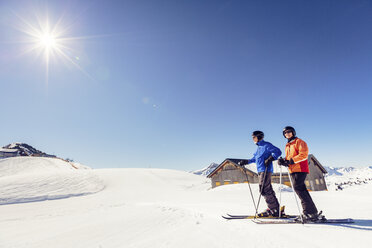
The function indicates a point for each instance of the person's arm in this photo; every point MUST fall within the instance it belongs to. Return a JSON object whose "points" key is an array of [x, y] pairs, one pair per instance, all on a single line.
{"points": [[252, 160], [303, 152], [275, 152]]}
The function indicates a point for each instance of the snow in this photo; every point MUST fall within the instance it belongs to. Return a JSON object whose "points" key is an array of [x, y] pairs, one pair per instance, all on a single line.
{"points": [[341, 178], [8, 150], [26, 179], [15, 144], [165, 208], [206, 170]]}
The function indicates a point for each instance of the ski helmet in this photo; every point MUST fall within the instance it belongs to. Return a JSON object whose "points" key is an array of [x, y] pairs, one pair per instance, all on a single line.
{"points": [[289, 128], [259, 134]]}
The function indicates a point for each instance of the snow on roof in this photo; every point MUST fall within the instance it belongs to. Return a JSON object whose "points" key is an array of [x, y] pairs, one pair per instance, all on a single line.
{"points": [[252, 167], [14, 144], [276, 167], [8, 150]]}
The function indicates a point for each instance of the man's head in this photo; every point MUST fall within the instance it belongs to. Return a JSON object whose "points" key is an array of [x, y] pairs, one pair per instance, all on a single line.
{"points": [[289, 132], [257, 136]]}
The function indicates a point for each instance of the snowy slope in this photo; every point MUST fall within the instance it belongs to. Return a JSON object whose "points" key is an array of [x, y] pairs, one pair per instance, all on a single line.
{"points": [[167, 208], [339, 178], [25, 179]]}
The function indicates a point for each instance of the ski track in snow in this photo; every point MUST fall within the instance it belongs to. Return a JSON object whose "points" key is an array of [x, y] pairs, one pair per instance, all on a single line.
{"points": [[166, 208]]}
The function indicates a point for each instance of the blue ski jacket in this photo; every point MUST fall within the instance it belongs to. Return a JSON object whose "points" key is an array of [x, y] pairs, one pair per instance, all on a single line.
{"points": [[264, 150]]}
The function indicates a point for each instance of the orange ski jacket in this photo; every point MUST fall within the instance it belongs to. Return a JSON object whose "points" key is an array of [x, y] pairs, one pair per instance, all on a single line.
{"points": [[297, 151]]}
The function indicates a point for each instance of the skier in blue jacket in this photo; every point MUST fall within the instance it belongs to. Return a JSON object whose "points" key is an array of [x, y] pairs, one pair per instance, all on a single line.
{"points": [[264, 156]]}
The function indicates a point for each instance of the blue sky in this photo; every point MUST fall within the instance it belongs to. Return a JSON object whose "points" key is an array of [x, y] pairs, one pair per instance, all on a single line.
{"points": [[181, 84]]}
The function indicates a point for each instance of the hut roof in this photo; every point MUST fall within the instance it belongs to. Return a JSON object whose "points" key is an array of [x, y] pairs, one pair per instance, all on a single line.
{"points": [[313, 158], [252, 167], [234, 161]]}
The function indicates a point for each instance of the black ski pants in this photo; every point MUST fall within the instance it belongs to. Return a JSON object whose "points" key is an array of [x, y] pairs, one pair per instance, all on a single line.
{"points": [[267, 191], [298, 179]]}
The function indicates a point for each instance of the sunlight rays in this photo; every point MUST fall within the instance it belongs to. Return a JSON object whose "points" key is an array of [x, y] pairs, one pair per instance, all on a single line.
{"points": [[50, 41]]}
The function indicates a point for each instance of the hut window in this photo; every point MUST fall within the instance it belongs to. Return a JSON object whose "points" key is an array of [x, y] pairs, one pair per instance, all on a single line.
{"points": [[312, 184], [218, 183], [307, 183], [317, 181], [226, 182], [287, 183], [321, 181], [236, 182]]}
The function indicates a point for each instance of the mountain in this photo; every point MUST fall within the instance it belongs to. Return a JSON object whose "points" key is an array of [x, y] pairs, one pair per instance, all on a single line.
{"points": [[206, 171], [339, 178], [333, 171], [344, 171], [23, 149]]}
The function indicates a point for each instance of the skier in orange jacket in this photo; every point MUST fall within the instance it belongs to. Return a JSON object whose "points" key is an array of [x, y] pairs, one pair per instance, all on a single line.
{"points": [[296, 153]]}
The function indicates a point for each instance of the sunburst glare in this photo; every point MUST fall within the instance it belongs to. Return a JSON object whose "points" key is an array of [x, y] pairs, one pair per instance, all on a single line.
{"points": [[49, 41]]}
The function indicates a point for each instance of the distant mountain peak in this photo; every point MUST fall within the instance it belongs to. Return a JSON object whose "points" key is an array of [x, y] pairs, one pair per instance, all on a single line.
{"points": [[207, 170], [23, 149]]}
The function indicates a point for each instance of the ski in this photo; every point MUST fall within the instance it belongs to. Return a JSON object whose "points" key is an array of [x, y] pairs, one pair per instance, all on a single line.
{"points": [[284, 216], [293, 221], [240, 217], [243, 216]]}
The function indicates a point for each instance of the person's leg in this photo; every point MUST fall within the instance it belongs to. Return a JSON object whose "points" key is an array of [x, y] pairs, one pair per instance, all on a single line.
{"points": [[308, 206], [268, 192]]}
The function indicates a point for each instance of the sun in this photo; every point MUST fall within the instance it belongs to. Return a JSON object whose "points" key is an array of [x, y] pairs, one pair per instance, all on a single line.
{"points": [[50, 41]]}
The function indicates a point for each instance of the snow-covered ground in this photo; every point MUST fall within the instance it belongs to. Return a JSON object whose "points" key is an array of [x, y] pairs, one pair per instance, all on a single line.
{"points": [[28, 179], [163, 208]]}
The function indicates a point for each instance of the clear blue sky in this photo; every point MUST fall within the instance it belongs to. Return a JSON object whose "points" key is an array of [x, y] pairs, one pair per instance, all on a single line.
{"points": [[181, 84]]}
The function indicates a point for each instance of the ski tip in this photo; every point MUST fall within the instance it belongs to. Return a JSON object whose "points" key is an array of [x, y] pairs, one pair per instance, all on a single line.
{"points": [[226, 217]]}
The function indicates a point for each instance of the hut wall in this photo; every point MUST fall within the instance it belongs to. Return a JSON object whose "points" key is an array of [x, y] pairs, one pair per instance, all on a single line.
{"points": [[7, 154], [230, 174], [275, 178], [315, 179]]}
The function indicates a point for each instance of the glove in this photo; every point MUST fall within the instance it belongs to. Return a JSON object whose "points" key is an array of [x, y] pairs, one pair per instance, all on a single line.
{"points": [[243, 162], [269, 160], [285, 162]]}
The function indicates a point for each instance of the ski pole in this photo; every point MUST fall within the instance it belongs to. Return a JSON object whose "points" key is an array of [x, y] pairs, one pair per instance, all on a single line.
{"points": [[280, 190], [259, 198], [249, 185], [294, 193]]}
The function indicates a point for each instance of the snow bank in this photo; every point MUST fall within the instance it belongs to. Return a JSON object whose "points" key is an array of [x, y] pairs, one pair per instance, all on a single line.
{"points": [[143, 208], [27, 179]]}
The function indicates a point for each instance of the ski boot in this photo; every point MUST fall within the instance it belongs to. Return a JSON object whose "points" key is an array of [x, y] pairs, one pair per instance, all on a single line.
{"points": [[316, 217], [271, 213], [266, 213]]}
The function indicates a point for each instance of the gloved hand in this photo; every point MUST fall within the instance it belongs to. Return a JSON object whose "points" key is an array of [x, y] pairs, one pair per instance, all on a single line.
{"points": [[269, 160], [243, 162], [285, 162]]}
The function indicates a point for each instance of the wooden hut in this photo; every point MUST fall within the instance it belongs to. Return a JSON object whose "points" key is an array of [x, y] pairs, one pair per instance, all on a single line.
{"points": [[7, 153], [315, 179], [229, 172]]}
